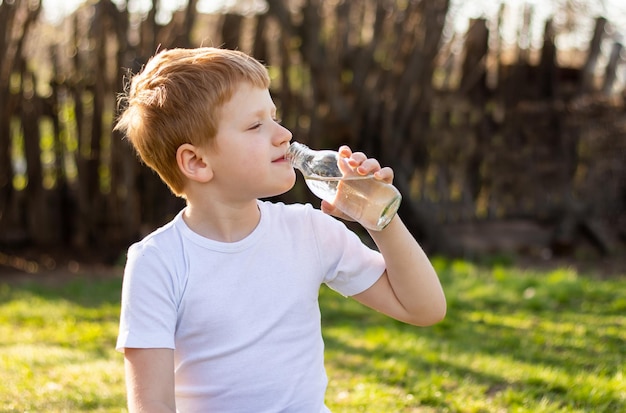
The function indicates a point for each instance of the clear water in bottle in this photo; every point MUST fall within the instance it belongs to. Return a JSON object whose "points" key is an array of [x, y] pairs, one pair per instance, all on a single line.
{"points": [[371, 202], [368, 201]]}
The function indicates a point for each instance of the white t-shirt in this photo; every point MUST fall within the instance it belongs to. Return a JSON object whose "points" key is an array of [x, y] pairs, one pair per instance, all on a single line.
{"points": [[243, 317]]}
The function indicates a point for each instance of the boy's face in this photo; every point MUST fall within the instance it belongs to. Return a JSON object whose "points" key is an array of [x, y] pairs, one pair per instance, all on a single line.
{"points": [[248, 159]]}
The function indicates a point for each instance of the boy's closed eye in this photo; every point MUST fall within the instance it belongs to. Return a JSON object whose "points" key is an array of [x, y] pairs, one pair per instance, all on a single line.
{"points": [[259, 124]]}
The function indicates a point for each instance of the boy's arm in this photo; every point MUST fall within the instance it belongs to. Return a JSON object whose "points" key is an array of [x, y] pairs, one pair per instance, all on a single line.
{"points": [[150, 380], [409, 289]]}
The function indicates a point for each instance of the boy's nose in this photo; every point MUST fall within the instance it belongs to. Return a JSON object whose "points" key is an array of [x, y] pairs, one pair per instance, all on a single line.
{"points": [[285, 134]]}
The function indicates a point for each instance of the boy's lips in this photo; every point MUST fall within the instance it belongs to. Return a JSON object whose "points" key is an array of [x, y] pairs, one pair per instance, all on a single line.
{"points": [[280, 159]]}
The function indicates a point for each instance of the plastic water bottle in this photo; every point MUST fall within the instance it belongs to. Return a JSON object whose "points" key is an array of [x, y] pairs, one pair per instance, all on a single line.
{"points": [[370, 202]]}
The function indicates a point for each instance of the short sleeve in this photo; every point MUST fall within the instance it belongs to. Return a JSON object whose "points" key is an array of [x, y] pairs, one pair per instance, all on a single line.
{"points": [[149, 300], [351, 266]]}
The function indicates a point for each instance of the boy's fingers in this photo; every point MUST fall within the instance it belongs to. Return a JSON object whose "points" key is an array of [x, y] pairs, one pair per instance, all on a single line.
{"points": [[369, 165], [359, 162], [359, 156], [345, 151], [330, 209], [385, 174]]}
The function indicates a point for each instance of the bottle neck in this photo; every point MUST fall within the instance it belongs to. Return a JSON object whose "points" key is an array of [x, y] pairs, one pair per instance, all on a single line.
{"points": [[312, 163], [298, 154]]}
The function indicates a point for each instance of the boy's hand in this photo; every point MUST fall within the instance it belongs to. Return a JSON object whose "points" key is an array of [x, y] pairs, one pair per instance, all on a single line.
{"points": [[357, 163]]}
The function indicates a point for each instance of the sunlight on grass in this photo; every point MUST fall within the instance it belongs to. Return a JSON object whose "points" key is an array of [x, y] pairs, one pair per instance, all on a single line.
{"points": [[57, 348], [513, 341]]}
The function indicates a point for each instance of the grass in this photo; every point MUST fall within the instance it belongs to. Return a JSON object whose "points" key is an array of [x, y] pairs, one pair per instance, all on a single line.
{"points": [[56, 347], [513, 341]]}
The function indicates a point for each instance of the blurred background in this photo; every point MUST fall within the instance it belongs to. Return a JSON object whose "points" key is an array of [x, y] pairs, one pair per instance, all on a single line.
{"points": [[504, 121]]}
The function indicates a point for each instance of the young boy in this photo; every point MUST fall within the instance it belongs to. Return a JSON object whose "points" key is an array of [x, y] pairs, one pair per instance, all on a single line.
{"points": [[219, 306]]}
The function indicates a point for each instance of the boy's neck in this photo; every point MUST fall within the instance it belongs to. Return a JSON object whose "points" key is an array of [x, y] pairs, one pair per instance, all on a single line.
{"points": [[223, 223]]}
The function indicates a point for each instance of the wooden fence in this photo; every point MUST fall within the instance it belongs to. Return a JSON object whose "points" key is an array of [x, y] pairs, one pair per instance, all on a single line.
{"points": [[540, 143]]}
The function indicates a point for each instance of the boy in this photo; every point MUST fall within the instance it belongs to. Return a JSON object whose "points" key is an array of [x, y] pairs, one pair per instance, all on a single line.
{"points": [[219, 306]]}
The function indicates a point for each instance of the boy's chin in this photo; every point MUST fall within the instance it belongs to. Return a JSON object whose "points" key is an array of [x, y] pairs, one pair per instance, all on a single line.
{"points": [[280, 190], [286, 188]]}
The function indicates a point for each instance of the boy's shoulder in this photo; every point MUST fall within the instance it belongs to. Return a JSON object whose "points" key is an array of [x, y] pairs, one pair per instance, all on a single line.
{"points": [[170, 237], [163, 235]]}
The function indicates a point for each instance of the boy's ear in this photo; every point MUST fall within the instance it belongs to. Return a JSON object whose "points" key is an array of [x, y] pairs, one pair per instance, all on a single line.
{"points": [[191, 163]]}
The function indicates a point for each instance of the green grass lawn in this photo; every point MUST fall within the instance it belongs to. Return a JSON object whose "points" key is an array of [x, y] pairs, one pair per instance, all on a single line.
{"points": [[513, 341]]}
